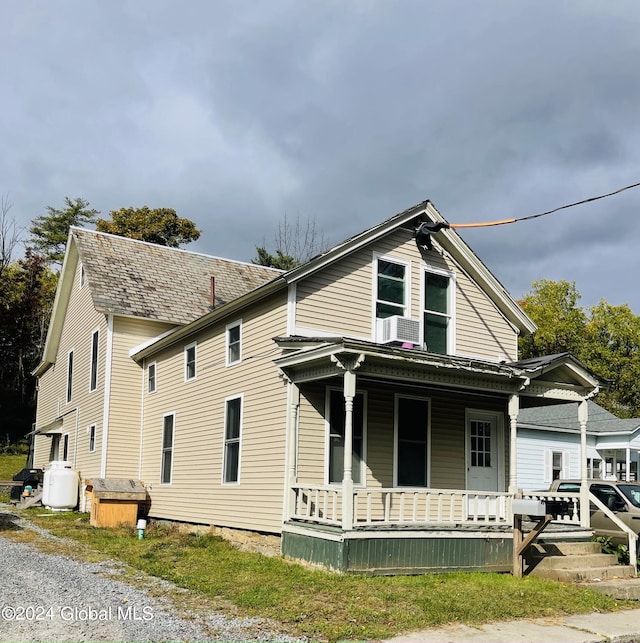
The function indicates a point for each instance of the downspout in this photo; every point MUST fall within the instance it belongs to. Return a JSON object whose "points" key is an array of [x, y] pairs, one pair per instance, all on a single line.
{"points": [[144, 370], [107, 396]]}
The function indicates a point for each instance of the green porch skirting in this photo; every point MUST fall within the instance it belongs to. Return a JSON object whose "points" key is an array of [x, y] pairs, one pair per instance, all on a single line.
{"points": [[399, 552]]}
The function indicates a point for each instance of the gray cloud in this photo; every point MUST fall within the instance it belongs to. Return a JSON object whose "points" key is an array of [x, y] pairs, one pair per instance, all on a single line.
{"points": [[236, 113]]}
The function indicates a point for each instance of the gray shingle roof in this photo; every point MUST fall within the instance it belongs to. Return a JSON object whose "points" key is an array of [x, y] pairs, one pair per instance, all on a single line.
{"points": [[139, 279], [565, 416]]}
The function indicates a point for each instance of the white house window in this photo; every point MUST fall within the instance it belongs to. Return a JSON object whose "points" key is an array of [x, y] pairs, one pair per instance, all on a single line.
{"points": [[93, 377], [92, 438], [594, 468], [151, 378], [69, 376], [556, 465], [336, 417], [232, 432], [437, 312], [234, 343], [391, 288], [168, 426], [190, 362]]}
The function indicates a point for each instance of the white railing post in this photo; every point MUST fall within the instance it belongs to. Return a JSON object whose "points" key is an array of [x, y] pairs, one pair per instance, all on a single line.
{"points": [[585, 514]]}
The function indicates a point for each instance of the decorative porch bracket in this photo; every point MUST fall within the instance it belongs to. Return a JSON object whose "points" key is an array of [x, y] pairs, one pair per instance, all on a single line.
{"points": [[349, 362]]}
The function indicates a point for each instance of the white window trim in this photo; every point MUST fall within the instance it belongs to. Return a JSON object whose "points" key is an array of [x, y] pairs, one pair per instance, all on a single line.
{"points": [[233, 483], [374, 287], [155, 378], [193, 345], [327, 437], [548, 464], [69, 378], [228, 327], [92, 428], [173, 448], [451, 304], [396, 400], [95, 333]]}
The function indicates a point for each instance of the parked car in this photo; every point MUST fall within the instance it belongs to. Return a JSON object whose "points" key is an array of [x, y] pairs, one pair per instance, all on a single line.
{"points": [[622, 498]]}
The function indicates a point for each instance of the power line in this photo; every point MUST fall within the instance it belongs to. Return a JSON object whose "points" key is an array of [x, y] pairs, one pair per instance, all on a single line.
{"points": [[542, 214]]}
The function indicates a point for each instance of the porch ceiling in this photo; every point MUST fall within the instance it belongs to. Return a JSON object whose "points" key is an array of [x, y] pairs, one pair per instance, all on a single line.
{"points": [[309, 359]]}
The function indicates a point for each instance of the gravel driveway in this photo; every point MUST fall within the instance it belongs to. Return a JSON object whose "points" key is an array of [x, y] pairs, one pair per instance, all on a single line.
{"points": [[47, 597]]}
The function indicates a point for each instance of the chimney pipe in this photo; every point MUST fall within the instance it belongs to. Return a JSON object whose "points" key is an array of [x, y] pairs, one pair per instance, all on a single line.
{"points": [[213, 293]]}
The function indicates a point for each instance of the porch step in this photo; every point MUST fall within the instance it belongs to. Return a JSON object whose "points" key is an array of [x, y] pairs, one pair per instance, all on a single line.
{"points": [[573, 562]]}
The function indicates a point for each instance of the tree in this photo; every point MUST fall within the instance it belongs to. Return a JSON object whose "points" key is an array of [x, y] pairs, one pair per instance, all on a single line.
{"points": [[296, 242], [552, 305], [9, 234], [160, 225], [606, 340], [27, 290], [49, 232]]}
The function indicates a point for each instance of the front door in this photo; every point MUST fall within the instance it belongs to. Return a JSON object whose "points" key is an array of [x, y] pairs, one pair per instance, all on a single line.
{"points": [[482, 452]]}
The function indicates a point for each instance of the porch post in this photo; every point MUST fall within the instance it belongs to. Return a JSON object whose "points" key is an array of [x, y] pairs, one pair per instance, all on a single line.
{"points": [[293, 399], [583, 414], [628, 465], [347, 478], [514, 408]]}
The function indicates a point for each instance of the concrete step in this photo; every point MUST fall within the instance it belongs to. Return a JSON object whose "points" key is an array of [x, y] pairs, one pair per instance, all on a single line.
{"points": [[566, 548], [593, 574], [572, 562], [621, 589]]}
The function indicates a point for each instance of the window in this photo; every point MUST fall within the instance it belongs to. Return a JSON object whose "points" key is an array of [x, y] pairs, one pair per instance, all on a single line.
{"points": [[151, 378], [232, 430], [92, 438], [437, 312], [168, 423], [336, 437], [65, 446], [556, 465], [594, 466], [412, 446], [234, 347], [391, 288], [69, 376], [190, 362], [93, 384], [480, 447]]}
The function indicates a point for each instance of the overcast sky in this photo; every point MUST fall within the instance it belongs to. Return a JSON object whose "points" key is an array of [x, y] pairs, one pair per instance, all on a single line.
{"points": [[236, 113]]}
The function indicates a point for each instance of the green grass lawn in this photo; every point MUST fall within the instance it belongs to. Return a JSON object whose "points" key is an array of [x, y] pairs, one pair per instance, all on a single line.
{"points": [[320, 604], [9, 466]]}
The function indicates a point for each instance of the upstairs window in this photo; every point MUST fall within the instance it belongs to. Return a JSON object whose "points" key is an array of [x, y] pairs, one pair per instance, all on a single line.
{"points": [[151, 378], [69, 376], [438, 312], [391, 288], [190, 362], [234, 343], [93, 378]]}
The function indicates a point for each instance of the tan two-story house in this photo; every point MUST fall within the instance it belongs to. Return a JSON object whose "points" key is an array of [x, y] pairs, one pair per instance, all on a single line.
{"points": [[363, 406]]}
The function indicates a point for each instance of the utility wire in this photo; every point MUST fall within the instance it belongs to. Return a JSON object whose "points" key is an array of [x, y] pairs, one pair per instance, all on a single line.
{"points": [[541, 214]]}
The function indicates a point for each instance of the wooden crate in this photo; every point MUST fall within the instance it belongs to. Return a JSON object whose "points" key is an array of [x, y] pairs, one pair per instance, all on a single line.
{"points": [[115, 502]]}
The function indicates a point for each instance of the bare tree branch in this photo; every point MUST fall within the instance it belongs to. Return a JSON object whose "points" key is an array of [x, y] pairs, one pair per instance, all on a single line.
{"points": [[9, 233]]}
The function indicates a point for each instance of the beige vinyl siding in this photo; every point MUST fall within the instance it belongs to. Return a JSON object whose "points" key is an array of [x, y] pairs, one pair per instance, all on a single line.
{"points": [[311, 451], [339, 299], [125, 403], [85, 407], [196, 492]]}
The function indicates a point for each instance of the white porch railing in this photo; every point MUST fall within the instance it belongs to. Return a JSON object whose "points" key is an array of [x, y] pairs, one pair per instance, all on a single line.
{"points": [[564, 506], [392, 506]]}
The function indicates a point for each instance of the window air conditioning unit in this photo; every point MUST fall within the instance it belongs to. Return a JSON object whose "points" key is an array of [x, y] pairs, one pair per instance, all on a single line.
{"points": [[400, 329]]}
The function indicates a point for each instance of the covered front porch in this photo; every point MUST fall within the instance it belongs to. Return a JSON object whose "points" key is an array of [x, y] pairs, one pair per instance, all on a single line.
{"points": [[402, 460]]}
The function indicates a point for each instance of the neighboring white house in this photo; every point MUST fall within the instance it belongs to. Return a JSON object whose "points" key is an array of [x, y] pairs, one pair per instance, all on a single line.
{"points": [[549, 445]]}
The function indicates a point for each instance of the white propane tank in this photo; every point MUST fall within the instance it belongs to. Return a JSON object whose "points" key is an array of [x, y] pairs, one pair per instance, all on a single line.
{"points": [[60, 491]]}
